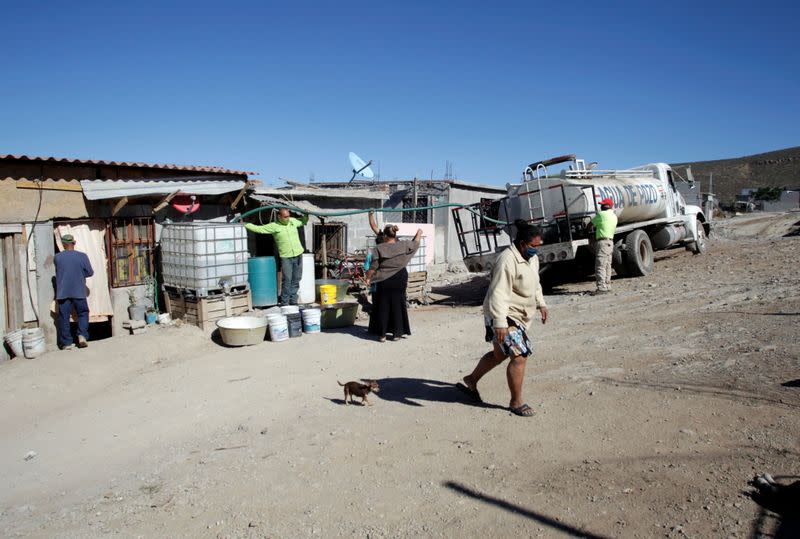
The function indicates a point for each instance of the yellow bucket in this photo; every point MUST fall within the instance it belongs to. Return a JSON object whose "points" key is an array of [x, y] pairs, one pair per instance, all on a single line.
{"points": [[327, 294]]}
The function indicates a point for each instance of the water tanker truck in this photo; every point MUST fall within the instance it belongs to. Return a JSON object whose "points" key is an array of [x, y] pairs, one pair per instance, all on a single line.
{"points": [[652, 215]]}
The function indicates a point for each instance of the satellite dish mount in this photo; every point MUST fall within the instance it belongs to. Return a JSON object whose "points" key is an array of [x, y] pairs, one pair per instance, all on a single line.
{"points": [[360, 168]]}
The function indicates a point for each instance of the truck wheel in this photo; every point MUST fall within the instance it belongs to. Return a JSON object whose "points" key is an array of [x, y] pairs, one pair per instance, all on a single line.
{"points": [[699, 247], [638, 254], [617, 263]]}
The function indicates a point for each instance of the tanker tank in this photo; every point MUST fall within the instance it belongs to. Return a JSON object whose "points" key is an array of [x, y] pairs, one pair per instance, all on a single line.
{"points": [[637, 197]]}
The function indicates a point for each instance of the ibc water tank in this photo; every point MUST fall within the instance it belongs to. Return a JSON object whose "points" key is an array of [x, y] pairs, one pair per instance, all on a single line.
{"points": [[263, 280]]}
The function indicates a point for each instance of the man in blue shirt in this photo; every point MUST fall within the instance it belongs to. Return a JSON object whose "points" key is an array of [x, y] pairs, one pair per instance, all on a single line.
{"points": [[72, 269]]}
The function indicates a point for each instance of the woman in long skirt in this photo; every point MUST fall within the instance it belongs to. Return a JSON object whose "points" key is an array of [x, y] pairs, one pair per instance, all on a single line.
{"points": [[388, 270]]}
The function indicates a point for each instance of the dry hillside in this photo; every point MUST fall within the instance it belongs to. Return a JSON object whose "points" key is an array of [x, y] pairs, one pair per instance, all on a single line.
{"points": [[780, 168]]}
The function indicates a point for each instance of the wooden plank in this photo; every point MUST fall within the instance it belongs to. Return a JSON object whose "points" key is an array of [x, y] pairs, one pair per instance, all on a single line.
{"points": [[165, 201], [240, 195], [119, 205], [13, 281], [29, 184], [3, 303], [168, 302], [28, 290]]}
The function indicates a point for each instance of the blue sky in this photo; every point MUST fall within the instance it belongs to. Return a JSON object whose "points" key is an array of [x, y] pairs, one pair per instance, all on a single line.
{"points": [[289, 88]]}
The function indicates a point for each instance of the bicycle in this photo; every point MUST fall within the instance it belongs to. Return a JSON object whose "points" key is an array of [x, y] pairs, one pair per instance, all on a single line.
{"points": [[347, 266]]}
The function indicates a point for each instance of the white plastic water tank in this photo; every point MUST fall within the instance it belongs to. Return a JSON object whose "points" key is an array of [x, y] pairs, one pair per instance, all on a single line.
{"points": [[197, 256], [306, 293]]}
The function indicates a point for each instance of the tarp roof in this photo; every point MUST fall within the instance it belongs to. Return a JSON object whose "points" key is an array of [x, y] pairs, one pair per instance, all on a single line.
{"points": [[105, 189], [294, 192], [302, 204]]}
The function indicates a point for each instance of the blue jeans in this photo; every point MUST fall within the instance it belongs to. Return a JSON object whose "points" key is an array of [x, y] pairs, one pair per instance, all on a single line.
{"points": [[64, 311], [291, 273]]}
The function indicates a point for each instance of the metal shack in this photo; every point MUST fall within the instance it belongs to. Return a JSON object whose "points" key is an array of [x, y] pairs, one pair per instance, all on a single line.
{"points": [[421, 193], [114, 209]]}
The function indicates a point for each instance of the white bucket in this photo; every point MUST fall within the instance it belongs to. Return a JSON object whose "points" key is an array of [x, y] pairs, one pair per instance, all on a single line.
{"points": [[275, 318], [290, 309], [311, 320], [33, 343], [14, 341], [278, 328]]}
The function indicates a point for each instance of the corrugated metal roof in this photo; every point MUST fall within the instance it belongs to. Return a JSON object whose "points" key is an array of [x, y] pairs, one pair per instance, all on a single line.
{"points": [[382, 184], [105, 189], [321, 193], [65, 160]]}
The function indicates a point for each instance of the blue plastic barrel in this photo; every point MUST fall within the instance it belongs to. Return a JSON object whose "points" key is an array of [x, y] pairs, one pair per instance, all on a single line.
{"points": [[263, 279]]}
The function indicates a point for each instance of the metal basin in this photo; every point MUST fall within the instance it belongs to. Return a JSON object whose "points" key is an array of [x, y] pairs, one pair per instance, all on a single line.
{"points": [[242, 330]]}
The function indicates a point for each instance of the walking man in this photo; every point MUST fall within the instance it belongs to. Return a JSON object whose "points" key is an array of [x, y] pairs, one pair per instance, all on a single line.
{"points": [[287, 240], [72, 269], [605, 224]]}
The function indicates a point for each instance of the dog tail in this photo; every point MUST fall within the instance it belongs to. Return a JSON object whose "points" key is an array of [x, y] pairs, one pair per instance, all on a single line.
{"points": [[338, 382]]}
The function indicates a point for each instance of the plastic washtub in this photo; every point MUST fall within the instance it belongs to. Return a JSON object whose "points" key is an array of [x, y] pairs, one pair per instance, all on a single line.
{"points": [[338, 315], [242, 330]]}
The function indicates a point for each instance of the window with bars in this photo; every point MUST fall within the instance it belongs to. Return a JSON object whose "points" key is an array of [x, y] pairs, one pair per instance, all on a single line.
{"points": [[335, 238], [419, 216], [130, 250]]}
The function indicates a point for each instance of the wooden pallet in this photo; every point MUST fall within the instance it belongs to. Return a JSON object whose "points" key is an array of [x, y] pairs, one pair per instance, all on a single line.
{"points": [[417, 287], [171, 289], [204, 312]]}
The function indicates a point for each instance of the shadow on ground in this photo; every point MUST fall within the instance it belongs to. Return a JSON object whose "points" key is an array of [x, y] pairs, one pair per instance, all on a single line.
{"points": [[359, 332], [409, 391], [779, 516], [469, 293], [545, 520], [738, 395]]}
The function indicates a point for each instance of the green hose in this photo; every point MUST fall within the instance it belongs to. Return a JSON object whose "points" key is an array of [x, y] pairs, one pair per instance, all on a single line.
{"points": [[356, 212]]}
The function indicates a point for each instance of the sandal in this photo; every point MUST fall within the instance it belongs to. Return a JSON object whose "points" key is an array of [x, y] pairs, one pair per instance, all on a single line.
{"points": [[473, 393], [522, 411]]}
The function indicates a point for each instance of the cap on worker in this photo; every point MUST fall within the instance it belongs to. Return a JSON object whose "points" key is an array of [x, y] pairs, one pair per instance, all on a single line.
{"points": [[67, 238], [607, 202]]}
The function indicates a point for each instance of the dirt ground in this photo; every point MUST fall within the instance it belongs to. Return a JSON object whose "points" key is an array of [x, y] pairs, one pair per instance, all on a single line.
{"points": [[654, 407]]}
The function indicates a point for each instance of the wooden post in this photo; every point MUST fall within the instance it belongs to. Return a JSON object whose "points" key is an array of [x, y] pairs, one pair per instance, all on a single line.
{"points": [[324, 249], [3, 302], [414, 198]]}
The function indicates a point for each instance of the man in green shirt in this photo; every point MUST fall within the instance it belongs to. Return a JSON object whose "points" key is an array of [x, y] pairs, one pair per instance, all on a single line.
{"points": [[605, 224], [287, 240]]}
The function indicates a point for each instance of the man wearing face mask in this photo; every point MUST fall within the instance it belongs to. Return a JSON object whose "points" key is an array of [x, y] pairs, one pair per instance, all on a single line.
{"points": [[513, 298], [287, 240]]}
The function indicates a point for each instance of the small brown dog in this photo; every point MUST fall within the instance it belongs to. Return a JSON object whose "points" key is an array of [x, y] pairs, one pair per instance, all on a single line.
{"points": [[359, 390]]}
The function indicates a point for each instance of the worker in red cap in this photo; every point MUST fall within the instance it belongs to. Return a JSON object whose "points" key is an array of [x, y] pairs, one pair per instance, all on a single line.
{"points": [[605, 224]]}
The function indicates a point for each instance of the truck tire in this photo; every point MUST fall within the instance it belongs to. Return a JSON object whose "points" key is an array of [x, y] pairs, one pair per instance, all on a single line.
{"points": [[699, 247], [638, 254], [617, 263]]}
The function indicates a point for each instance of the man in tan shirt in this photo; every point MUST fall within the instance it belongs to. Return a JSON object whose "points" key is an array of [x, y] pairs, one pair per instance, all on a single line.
{"points": [[514, 296]]}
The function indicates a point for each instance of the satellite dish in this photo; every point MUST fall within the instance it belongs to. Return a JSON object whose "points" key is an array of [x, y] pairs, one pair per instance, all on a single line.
{"points": [[360, 168]]}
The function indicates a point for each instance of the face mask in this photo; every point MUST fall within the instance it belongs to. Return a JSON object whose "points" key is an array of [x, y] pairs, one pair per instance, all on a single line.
{"points": [[530, 253]]}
